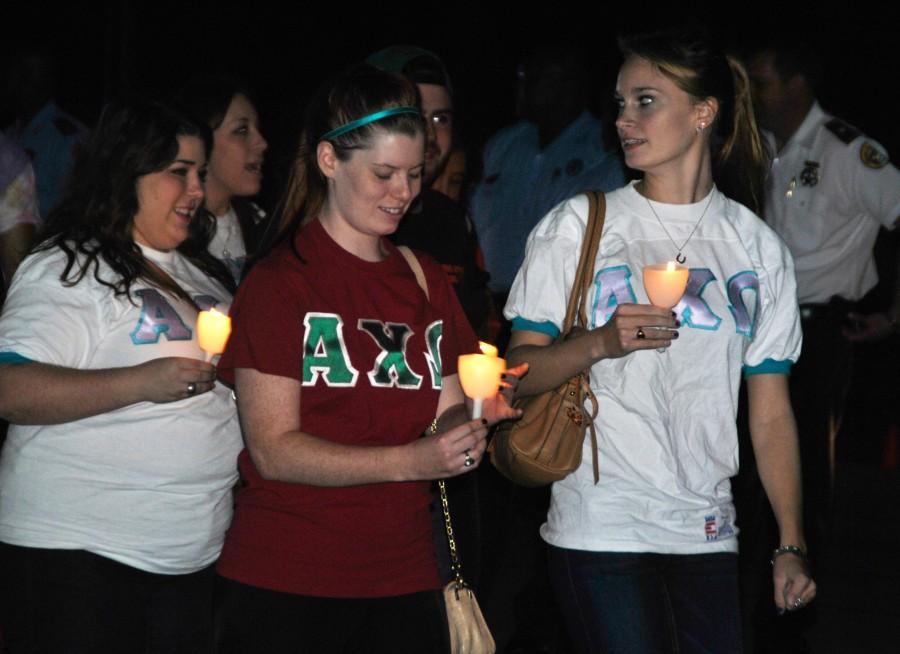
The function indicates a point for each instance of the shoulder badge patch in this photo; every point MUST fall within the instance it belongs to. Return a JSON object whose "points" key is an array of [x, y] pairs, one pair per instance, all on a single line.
{"points": [[842, 130], [873, 156]]}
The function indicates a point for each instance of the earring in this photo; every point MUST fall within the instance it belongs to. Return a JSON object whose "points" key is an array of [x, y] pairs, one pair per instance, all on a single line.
{"points": [[701, 127]]}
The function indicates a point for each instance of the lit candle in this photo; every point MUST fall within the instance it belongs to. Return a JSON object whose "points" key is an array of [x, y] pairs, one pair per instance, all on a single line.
{"points": [[213, 330], [665, 283], [479, 375]]}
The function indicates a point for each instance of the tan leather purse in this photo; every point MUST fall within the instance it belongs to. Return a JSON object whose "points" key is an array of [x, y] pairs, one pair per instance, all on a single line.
{"points": [[469, 633], [545, 444]]}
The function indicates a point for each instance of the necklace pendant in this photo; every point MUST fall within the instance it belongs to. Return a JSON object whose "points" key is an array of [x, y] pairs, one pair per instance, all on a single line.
{"points": [[680, 258]]}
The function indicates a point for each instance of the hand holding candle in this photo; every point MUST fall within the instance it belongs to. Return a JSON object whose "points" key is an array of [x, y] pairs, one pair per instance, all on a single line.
{"points": [[665, 283], [479, 375], [213, 330]]}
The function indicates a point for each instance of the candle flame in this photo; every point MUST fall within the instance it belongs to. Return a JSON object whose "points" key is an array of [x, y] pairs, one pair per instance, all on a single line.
{"points": [[213, 330], [487, 349]]}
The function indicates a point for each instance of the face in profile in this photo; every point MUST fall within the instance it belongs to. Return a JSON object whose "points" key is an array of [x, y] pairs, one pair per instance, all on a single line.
{"points": [[235, 165], [169, 198], [658, 122], [437, 108], [369, 192]]}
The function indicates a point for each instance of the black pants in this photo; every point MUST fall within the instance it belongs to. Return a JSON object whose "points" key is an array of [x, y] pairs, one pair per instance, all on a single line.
{"points": [[72, 601], [819, 383], [259, 621]]}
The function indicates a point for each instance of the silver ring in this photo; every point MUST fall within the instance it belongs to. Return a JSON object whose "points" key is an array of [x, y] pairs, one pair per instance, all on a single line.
{"points": [[799, 603], [469, 462], [192, 388], [640, 333]]}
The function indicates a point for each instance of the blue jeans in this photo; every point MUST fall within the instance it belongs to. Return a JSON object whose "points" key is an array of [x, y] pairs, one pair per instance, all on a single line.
{"points": [[644, 603]]}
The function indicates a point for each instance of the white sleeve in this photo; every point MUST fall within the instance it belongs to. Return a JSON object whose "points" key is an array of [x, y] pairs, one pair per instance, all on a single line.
{"points": [[540, 292], [873, 181], [47, 322], [777, 335]]}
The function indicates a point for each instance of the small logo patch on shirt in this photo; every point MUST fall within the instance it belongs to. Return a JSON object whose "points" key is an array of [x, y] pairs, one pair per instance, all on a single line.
{"points": [[809, 176], [712, 532]]}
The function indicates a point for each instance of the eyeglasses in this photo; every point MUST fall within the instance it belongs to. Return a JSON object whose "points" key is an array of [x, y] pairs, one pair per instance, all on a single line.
{"points": [[440, 119]]}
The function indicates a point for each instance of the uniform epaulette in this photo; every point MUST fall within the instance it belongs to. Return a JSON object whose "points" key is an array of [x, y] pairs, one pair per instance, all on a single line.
{"points": [[844, 131]]}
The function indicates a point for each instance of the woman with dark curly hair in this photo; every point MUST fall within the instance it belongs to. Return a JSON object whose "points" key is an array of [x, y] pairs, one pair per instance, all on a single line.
{"points": [[116, 477]]}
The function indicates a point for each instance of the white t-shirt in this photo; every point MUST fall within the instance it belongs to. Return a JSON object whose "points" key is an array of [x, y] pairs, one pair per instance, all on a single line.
{"points": [[829, 191], [227, 244], [666, 425], [148, 485]]}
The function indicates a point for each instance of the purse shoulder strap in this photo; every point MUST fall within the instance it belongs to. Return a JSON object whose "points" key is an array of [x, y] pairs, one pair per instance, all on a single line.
{"points": [[578, 297], [416, 267], [585, 271], [455, 562]]}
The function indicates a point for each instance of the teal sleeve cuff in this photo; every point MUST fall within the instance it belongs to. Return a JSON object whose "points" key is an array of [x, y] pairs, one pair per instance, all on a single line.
{"points": [[522, 325], [13, 358], [769, 367]]}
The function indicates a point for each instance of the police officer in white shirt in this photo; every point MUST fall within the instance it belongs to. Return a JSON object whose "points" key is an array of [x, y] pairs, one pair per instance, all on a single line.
{"points": [[829, 191]]}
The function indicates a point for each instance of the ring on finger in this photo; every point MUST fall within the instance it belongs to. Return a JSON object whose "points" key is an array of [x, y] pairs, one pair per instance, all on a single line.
{"points": [[640, 333], [799, 603], [469, 462], [191, 388]]}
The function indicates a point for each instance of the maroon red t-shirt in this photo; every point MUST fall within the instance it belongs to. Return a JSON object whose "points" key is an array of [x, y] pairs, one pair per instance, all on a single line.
{"points": [[370, 351]]}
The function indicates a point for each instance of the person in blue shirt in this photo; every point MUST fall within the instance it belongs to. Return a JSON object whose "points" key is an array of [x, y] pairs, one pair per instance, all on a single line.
{"points": [[554, 152]]}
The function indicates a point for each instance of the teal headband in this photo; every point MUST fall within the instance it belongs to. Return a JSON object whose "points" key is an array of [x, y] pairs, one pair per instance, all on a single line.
{"points": [[365, 120]]}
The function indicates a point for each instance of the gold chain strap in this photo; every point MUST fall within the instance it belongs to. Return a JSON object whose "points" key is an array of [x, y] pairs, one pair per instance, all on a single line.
{"points": [[455, 563]]}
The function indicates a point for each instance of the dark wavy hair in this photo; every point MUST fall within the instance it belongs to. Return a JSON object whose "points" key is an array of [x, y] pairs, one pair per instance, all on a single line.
{"points": [[206, 100], [95, 217], [702, 70], [359, 92]]}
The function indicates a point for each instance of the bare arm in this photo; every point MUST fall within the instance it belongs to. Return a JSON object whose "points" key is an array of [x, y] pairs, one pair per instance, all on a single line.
{"points": [[774, 435], [269, 407], [14, 245], [42, 394], [553, 363]]}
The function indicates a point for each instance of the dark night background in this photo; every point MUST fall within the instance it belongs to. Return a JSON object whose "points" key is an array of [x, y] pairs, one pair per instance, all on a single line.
{"points": [[284, 51]]}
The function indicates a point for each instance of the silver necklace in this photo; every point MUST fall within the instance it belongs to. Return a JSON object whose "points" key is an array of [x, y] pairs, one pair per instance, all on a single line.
{"points": [[680, 258]]}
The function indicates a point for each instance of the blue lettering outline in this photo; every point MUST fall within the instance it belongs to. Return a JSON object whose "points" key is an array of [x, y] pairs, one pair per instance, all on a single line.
{"points": [[613, 299], [740, 296]]}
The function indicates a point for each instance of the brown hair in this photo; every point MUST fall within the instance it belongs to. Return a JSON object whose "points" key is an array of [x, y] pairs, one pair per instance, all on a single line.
{"points": [[697, 67], [359, 92]]}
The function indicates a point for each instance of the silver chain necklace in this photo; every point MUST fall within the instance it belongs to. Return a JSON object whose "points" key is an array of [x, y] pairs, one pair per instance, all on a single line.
{"points": [[680, 258]]}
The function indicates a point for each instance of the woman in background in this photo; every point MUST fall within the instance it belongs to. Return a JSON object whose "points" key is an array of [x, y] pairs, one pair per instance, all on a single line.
{"points": [[235, 169]]}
